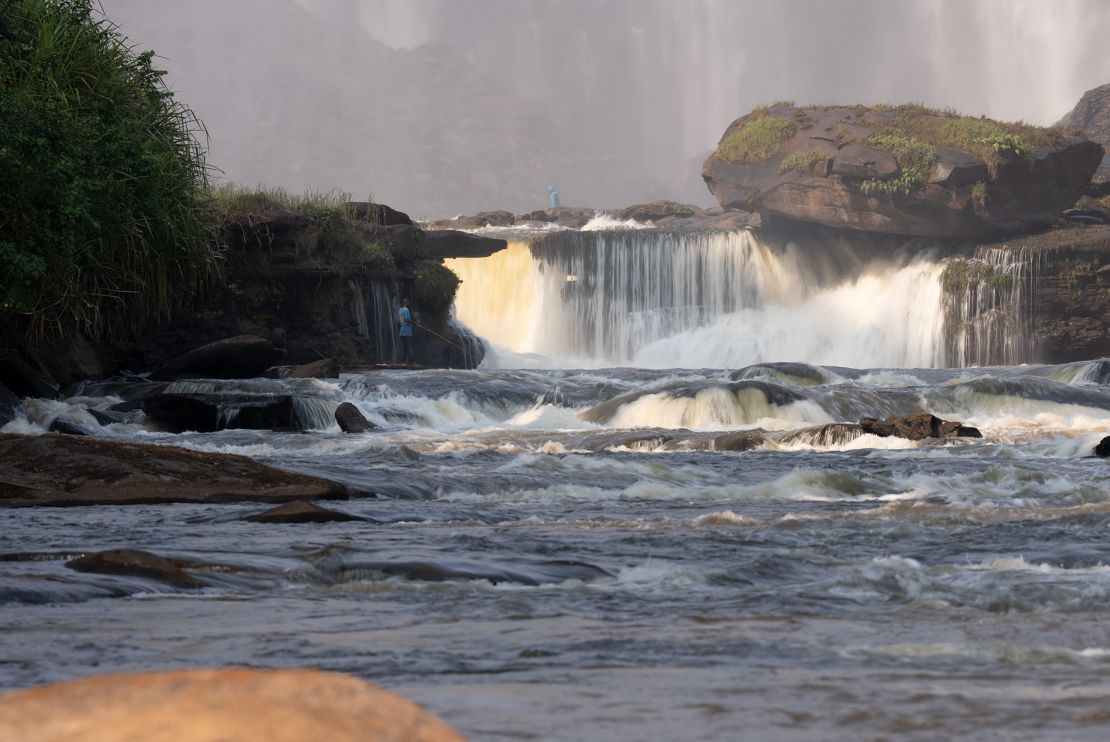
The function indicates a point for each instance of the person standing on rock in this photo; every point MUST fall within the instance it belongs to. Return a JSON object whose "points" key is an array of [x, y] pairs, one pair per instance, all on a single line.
{"points": [[404, 316]]}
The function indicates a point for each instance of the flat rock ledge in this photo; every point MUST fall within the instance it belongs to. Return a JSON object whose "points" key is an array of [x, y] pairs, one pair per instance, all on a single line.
{"points": [[61, 470], [209, 705]]}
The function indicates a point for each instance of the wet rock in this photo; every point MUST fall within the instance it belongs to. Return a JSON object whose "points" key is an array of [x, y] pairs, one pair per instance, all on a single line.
{"points": [[658, 211], [206, 413], [228, 704], [917, 427], [68, 427], [325, 368], [453, 244], [744, 440], [240, 357], [9, 405], [1103, 447], [636, 439], [351, 419], [833, 434], [862, 161], [300, 511], [23, 380], [57, 470], [532, 574], [136, 563]]}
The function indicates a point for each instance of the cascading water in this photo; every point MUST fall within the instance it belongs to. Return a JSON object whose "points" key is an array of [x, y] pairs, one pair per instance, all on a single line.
{"points": [[987, 303], [656, 298]]}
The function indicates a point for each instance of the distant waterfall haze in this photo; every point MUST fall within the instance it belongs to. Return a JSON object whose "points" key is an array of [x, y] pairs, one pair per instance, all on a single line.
{"points": [[659, 299]]}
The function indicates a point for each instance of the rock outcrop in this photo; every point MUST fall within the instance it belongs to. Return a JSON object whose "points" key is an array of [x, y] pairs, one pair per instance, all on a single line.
{"points": [[60, 470], [230, 704], [206, 413], [660, 214], [917, 427], [1092, 115], [905, 170]]}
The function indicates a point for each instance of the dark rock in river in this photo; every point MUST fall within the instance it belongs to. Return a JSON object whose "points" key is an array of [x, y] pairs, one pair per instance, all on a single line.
{"points": [[351, 419], [206, 413], [57, 470], [300, 512], [658, 211], [325, 368], [744, 440], [379, 214], [136, 563], [68, 427], [241, 357], [524, 573], [453, 244], [917, 427], [9, 405], [822, 165], [23, 380], [833, 434], [229, 704], [1103, 447]]}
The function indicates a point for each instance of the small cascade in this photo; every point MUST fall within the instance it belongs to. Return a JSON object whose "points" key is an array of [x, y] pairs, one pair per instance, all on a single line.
{"points": [[727, 299], [383, 303], [987, 307]]}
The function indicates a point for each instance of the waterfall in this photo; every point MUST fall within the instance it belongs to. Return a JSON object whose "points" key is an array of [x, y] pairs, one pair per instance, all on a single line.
{"points": [[987, 305], [658, 298]]}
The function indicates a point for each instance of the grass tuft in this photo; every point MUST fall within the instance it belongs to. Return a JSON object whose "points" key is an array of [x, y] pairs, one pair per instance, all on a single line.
{"points": [[759, 138]]}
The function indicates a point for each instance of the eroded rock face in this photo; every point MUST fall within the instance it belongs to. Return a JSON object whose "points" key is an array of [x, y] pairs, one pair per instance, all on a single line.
{"points": [[1092, 115], [827, 168], [54, 470], [206, 413], [231, 704]]}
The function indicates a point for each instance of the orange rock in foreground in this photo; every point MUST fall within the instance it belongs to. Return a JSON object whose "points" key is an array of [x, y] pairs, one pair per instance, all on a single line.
{"points": [[211, 705]]}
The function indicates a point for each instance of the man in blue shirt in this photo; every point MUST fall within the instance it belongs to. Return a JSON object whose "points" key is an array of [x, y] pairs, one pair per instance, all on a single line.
{"points": [[404, 316]]}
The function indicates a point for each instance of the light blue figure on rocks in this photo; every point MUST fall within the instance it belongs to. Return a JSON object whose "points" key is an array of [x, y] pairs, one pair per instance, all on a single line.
{"points": [[553, 196]]}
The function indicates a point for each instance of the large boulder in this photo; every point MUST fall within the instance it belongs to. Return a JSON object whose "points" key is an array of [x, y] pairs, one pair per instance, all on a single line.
{"points": [[240, 357], [9, 405], [351, 419], [904, 171], [210, 705], [301, 512], [450, 243], [57, 470]]}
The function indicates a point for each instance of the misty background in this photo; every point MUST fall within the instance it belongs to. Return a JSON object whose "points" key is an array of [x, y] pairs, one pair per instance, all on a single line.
{"points": [[441, 107]]}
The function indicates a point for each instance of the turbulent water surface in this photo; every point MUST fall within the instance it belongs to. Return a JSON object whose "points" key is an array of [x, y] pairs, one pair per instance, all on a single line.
{"points": [[562, 554]]}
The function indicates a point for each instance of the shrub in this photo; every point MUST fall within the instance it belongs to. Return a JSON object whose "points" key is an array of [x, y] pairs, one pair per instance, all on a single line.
{"points": [[803, 160], [103, 224], [915, 157], [759, 138]]}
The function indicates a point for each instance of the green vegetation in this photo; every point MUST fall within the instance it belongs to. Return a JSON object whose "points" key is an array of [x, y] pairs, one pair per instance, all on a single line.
{"points": [[103, 220], [988, 139], [758, 138], [436, 285], [980, 195], [961, 273], [804, 160], [915, 157]]}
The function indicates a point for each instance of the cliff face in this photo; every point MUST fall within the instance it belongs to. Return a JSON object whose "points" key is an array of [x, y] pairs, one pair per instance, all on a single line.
{"points": [[899, 170], [325, 286], [1041, 298], [1092, 115]]}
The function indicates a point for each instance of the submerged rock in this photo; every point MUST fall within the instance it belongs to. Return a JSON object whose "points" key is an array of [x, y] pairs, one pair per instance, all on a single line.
{"points": [[532, 574], [229, 704], [917, 427], [351, 419], [300, 511], [53, 470], [744, 440], [899, 170], [240, 357], [136, 563]]}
